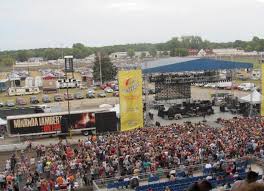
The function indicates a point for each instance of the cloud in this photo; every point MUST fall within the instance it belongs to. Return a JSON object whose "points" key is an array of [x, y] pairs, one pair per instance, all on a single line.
{"points": [[33, 23], [127, 6]]}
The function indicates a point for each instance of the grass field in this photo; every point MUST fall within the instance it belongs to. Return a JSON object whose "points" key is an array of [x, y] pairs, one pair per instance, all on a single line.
{"points": [[252, 60]]}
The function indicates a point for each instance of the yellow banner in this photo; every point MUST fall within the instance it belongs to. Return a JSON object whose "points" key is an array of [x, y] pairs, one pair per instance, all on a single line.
{"points": [[130, 93], [262, 89]]}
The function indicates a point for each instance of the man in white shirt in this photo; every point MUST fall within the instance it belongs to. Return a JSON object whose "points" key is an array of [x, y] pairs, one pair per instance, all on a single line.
{"points": [[208, 166]]}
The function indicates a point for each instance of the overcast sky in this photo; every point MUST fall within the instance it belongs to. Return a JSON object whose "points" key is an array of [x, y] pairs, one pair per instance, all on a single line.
{"points": [[54, 23]]}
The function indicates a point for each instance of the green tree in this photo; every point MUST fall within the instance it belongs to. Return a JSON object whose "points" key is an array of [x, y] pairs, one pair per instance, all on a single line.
{"points": [[181, 52], [131, 53], [143, 55], [173, 43], [153, 52], [109, 71], [52, 54], [7, 61], [173, 52], [165, 53], [248, 48], [81, 51], [22, 56]]}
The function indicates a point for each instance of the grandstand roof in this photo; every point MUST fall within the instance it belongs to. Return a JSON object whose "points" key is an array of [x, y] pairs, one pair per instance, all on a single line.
{"points": [[184, 64]]}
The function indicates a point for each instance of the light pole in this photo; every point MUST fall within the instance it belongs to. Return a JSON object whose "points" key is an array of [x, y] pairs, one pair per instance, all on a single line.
{"points": [[100, 64], [68, 68], [147, 120], [251, 102]]}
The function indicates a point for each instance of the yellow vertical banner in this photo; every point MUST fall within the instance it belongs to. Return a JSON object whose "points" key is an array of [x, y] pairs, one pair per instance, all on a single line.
{"points": [[262, 90], [130, 94]]}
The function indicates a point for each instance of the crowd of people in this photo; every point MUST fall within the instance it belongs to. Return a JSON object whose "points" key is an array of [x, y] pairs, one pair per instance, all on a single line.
{"points": [[129, 153]]}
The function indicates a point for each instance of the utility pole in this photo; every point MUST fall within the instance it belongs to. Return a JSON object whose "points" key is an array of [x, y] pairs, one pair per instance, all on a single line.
{"points": [[261, 90], [233, 77], [100, 64], [68, 68], [146, 96]]}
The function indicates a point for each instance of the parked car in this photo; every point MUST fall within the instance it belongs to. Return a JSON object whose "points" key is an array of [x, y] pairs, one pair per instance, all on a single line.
{"points": [[46, 99], [152, 91], [210, 85], [90, 90], [58, 97], [78, 95], [246, 86], [116, 94], [108, 90], [33, 100], [90, 95], [10, 103], [42, 109], [116, 88], [2, 104], [68, 96], [103, 86], [21, 101], [101, 95]]}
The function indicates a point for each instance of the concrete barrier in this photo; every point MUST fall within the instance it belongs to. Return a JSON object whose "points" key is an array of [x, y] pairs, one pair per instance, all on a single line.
{"points": [[12, 147], [23, 145]]}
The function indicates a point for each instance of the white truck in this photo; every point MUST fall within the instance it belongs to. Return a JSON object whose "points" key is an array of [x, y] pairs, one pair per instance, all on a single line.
{"points": [[18, 91], [246, 86]]}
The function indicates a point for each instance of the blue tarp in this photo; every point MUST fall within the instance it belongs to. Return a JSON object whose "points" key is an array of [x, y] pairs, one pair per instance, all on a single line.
{"points": [[194, 65]]}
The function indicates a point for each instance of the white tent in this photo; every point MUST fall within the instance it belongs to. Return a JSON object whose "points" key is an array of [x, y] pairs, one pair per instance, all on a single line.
{"points": [[105, 106], [253, 98], [116, 109], [3, 122]]}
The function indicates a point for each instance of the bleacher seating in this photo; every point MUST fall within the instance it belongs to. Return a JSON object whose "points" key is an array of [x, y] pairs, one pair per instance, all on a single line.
{"points": [[119, 184], [153, 179], [183, 184]]}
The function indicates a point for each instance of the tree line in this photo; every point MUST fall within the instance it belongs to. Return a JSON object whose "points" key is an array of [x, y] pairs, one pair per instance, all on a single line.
{"points": [[177, 46]]}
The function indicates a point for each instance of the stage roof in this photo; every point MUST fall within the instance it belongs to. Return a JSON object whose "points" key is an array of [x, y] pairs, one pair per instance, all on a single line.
{"points": [[185, 64]]}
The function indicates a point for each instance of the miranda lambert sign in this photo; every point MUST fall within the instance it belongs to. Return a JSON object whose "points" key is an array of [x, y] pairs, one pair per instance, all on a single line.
{"points": [[49, 123]]}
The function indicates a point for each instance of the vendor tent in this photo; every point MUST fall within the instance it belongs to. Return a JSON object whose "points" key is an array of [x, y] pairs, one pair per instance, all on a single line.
{"points": [[253, 98], [116, 109], [2, 122], [105, 106]]}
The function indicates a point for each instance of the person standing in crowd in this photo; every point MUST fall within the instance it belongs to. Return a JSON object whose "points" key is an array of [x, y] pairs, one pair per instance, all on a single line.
{"points": [[251, 178], [201, 186]]}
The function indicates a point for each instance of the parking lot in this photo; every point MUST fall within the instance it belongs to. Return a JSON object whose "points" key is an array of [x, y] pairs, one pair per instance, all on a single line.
{"points": [[198, 93], [74, 95]]}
